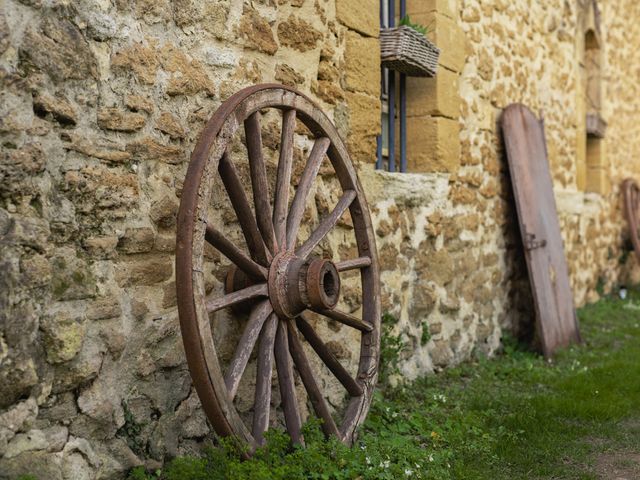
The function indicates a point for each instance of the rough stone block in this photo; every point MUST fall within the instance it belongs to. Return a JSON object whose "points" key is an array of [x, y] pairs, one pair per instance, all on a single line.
{"points": [[581, 159], [435, 144], [146, 270], [364, 125], [150, 149], [188, 77], [18, 168], [359, 15], [298, 34], [139, 59], [103, 149], [137, 240], [257, 32], [62, 337], [288, 76], [58, 48], [35, 271], [58, 107], [448, 8], [72, 278], [102, 246], [165, 242], [437, 96], [50, 439], [38, 464], [362, 63], [435, 266], [327, 91], [164, 211], [170, 125], [103, 308], [138, 103], [119, 120], [448, 36], [597, 180]]}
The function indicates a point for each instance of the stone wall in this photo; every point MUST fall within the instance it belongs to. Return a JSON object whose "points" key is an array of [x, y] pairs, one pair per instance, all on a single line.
{"points": [[451, 255], [101, 105]]}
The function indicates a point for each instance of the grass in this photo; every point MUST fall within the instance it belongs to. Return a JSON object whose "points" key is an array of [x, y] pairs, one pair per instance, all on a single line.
{"points": [[512, 417]]}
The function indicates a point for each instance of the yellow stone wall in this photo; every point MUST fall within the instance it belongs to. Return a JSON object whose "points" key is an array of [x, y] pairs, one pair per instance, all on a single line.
{"points": [[536, 53], [448, 237], [102, 103]]}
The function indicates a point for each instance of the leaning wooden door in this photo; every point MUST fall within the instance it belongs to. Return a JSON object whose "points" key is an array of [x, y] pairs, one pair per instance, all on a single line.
{"points": [[556, 321]]}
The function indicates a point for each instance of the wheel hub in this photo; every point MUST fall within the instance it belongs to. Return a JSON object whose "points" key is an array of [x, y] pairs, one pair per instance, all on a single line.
{"points": [[296, 284]]}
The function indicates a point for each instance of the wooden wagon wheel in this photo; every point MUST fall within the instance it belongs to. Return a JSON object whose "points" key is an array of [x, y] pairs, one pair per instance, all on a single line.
{"points": [[280, 277], [631, 194]]}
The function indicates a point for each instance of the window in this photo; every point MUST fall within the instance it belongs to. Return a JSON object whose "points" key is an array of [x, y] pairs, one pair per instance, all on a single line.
{"points": [[592, 170], [392, 112]]}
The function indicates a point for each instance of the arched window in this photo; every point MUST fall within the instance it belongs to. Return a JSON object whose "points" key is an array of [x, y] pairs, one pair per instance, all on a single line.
{"points": [[592, 170]]}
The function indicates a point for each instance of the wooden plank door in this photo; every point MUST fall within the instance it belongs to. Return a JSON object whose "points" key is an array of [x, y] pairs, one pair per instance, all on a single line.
{"points": [[556, 321]]}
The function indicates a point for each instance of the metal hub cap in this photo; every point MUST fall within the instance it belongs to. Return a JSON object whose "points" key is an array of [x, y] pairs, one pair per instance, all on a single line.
{"points": [[296, 284]]}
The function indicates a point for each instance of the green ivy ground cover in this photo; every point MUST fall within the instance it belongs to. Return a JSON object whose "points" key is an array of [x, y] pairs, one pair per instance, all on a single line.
{"points": [[515, 416]]}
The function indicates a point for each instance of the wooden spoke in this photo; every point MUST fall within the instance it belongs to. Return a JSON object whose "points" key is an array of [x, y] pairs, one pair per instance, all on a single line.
{"points": [[327, 224], [328, 358], [254, 291], [233, 253], [346, 319], [262, 398], [360, 262], [240, 204], [247, 341], [259, 180], [283, 180], [287, 385], [309, 174], [306, 374]]}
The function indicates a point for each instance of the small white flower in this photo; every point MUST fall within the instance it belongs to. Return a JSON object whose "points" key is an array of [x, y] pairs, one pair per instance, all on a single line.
{"points": [[385, 464], [408, 472], [368, 460], [431, 457]]}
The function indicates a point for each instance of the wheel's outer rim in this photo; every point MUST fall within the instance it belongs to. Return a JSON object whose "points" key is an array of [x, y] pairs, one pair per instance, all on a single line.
{"points": [[201, 356], [631, 192]]}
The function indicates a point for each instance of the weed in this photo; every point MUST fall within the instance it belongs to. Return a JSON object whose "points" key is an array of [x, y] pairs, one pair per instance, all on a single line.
{"points": [[600, 286], [418, 27], [426, 334], [131, 431], [517, 416], [391, 347]]}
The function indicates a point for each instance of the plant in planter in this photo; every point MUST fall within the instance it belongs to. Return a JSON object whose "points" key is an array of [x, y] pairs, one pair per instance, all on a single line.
{"points": [[406, 49], [418, 27]]}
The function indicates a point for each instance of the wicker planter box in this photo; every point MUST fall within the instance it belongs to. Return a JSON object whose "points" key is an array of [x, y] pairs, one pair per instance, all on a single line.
{"points": [[407, 51]]}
